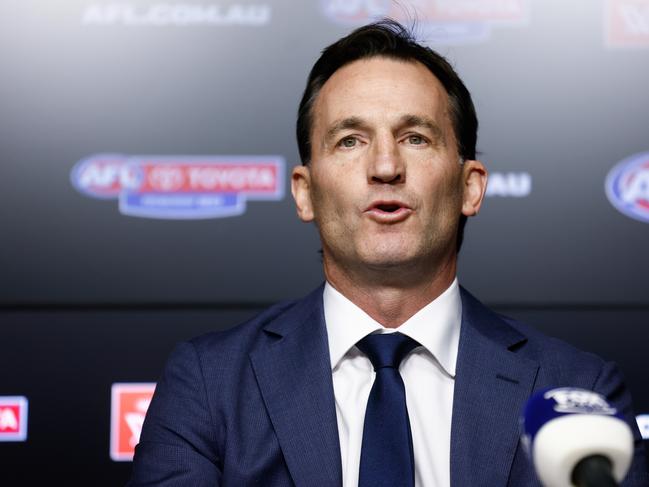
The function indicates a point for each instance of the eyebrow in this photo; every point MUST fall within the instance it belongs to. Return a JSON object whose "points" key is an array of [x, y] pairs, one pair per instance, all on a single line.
{"points": [[424, 122], [344, 124]]}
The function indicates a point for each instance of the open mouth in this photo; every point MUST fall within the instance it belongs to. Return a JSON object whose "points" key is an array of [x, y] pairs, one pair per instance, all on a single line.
{"points": [[388, 211], [389, 207]]}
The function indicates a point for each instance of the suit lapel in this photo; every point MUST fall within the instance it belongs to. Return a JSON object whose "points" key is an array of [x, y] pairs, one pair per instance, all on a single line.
{"points": [[491, 386], [293, 371]]}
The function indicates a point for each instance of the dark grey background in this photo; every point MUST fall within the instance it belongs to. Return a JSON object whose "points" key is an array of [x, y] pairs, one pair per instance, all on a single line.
{"points": [[89, 297], [552, 99]]}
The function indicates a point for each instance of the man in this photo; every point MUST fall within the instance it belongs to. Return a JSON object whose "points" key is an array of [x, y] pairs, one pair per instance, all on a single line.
{"points": [[304, 394]]}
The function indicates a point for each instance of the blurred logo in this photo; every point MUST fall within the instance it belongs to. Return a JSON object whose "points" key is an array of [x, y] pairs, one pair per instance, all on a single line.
{"points": [[509, 184], [13, 418], [643, 425], [627, 186], [627, 23], [128, 406], [175, 14], [579, 401], [440, 21], [180, 187]]}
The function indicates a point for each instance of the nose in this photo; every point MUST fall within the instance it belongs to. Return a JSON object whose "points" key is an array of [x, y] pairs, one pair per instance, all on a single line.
{"points": [[386, 165]]}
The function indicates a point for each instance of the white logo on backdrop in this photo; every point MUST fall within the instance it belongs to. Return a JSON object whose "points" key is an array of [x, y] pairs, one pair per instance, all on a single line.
{"points": [[176, 14], [509, 184], [643, 425]]}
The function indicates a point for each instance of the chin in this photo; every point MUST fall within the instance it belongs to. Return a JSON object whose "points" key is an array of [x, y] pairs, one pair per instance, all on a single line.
{"points": [[390, 260]]}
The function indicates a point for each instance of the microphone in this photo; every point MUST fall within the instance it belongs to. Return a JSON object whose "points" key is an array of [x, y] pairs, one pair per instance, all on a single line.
{"points": [[574, 437]]}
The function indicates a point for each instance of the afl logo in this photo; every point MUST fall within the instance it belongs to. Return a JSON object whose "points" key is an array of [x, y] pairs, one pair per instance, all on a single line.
{"points": [[627, 186], [104, 176], [180, 187]]}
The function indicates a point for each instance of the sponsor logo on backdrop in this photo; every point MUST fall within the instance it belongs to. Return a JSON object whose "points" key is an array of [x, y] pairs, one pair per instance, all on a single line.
{"points": [[509, 184], [176, 14], [627, 186], [128, 406], [627, 23], [438, 21], [13, 418], [643, 425], [180, 187]]}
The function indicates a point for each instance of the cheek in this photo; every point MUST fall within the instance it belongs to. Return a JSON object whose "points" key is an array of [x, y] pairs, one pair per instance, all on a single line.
{"points": [[328, 204], [439, 178], [334, 194], [443, 197]]}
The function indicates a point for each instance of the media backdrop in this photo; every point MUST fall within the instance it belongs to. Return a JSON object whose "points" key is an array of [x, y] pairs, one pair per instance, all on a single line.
{"points": [[145, 148]]}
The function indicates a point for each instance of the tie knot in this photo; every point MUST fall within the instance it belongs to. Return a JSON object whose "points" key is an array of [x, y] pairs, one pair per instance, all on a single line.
{"points": [[386, 350]]}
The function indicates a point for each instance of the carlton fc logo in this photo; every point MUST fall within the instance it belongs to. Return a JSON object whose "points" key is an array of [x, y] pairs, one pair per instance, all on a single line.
{"points": [[440, 21], [627, 186], [180, 187]]}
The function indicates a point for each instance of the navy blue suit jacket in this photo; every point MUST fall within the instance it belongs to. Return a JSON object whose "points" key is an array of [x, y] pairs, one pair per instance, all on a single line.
{"points": [[254, 405]]}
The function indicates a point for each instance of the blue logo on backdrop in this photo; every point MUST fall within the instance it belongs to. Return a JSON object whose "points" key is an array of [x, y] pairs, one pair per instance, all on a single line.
{"points": [[440, 21], [627, 187]]}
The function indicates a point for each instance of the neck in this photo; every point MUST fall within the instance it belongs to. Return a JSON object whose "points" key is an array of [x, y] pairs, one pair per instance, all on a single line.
{"points": [[391, 296]]}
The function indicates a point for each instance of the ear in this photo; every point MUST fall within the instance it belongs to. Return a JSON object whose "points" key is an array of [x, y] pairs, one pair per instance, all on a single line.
{"points": [[474, 176], [301, 189]]}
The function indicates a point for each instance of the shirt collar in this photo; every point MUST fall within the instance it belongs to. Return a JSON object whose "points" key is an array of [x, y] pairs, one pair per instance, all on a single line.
{"points": [[436, 326]]}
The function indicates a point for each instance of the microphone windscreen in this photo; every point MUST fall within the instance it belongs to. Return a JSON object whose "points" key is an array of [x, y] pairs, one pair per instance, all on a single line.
{"points": [[562, 426]]}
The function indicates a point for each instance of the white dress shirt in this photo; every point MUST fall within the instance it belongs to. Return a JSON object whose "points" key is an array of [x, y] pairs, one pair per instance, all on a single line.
{"points": [[428, 373]]}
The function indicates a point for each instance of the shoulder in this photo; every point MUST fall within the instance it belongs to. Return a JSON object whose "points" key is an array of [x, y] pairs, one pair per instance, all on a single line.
{"points": [[547, 348], [230, 347], [562, 364], [559, 362], [242, 336]]}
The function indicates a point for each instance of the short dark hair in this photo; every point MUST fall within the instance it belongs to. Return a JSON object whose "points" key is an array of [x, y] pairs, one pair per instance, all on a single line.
{"points": [[388, 38]]}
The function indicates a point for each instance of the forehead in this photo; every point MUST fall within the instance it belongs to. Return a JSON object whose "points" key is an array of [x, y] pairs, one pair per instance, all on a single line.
{"points": [[380, 89]]}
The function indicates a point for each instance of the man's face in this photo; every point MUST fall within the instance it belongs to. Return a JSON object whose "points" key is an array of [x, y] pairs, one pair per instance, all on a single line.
{"points": [[385, 185]]}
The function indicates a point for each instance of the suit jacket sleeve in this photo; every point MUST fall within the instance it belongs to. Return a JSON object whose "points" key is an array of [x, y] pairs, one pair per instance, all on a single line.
{"points": [[610, 383], [178, 445]]}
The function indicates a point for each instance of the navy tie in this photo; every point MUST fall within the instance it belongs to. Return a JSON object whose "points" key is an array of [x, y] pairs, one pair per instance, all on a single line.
{"points": [[386, 455]]}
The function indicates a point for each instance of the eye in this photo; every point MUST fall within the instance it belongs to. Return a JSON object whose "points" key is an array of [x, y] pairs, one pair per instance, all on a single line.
{"points": [[348, 142], [415, 139]]}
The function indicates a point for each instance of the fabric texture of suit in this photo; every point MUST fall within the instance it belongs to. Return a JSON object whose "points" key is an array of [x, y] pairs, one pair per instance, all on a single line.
{"points": [[254, 405]]}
